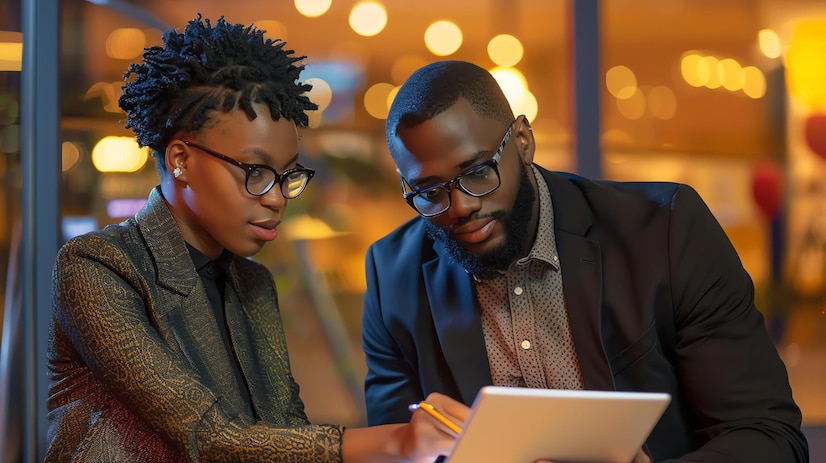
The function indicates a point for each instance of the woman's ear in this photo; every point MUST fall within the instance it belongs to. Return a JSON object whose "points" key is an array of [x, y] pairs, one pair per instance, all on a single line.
{"points": [[175, 159]]}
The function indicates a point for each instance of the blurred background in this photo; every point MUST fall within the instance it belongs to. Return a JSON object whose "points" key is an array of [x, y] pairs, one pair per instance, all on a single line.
{"points": [[727, 96]]}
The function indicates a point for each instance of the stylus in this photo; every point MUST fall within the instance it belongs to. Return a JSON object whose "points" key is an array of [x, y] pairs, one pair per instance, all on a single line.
{"points": [[439, 417]]}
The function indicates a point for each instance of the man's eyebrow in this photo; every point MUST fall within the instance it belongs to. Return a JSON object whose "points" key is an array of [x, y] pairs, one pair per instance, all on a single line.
{"points": [[473, 161]]}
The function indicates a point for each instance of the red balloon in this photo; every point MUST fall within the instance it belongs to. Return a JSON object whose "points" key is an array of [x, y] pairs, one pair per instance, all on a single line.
{"points": [[815, 132], [767, 187]]}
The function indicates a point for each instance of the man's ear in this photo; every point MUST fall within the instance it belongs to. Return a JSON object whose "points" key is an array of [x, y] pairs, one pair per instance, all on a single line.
{"points": [[526, 144]]}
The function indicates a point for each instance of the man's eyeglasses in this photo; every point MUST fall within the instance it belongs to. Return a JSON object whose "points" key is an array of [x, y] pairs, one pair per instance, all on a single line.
{"points": [[479, 180], [261, 178]]}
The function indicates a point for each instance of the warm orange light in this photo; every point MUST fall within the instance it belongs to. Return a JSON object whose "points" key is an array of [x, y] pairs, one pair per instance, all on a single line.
{"points": [[377, 99], [806, 63], [273, 30], [118, 154], [125, 43], [505, 50], [11, 51], [368, 18], [443, 38], [312, 8], [621, 82], [769, 43]]}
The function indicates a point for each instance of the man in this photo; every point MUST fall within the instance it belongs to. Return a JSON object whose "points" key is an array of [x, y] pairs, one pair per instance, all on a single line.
{"points": [[517, 276]]}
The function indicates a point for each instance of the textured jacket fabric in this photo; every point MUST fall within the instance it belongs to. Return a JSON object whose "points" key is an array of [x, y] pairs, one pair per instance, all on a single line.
{"points": [[137, 369], [657, 299]]}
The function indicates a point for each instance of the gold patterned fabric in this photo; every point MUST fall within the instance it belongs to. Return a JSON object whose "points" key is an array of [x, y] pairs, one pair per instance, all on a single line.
{"points": [[136, 369]]}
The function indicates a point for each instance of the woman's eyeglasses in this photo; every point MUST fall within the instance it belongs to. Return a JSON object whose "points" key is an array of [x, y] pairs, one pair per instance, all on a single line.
{"points": [[261, 178]]}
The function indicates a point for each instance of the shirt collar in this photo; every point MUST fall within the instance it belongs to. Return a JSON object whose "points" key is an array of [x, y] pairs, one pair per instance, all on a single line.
{"points": [[202, 261], [544, 245]]}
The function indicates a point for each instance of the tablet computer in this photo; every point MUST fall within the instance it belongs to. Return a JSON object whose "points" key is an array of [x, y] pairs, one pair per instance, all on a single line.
{"points": [[521, 425]]}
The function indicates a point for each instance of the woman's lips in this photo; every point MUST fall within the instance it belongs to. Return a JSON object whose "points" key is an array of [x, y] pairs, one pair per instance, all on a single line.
{"points": [[265, 231], [475, 232]]}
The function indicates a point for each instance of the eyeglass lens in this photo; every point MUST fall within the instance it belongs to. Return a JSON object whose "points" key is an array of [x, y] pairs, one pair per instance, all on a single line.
{"points": [[293, 182], [477, 182]]}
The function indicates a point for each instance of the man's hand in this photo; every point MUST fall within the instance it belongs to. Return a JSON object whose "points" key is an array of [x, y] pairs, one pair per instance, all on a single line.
{"points": [[424, 438]]}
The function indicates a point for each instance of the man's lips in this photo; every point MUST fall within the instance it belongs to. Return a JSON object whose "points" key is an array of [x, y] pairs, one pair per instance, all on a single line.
{"points": [[474, 231]]}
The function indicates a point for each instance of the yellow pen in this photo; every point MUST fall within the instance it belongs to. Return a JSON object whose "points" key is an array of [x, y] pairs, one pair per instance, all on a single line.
{"points": [[435, 414]]}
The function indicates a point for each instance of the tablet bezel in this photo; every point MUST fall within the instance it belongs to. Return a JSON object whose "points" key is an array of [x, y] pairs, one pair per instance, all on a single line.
{"points": [[521, 425]]}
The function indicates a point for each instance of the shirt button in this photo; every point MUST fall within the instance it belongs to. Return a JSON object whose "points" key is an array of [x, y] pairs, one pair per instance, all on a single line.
{"points": [[517, 290], [526, 344], [556, 258]]}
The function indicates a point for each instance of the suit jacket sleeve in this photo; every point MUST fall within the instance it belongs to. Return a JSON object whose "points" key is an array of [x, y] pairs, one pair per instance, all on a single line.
{"points": [[728, 367], [391, 383]]}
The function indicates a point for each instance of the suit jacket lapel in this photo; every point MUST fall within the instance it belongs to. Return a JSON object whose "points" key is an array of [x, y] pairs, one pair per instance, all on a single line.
{"points": [[184, 314], [458, 325], [258, 338], [581, 279]]}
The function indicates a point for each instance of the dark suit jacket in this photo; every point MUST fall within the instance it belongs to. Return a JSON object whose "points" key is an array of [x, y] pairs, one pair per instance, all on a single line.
{"points": [[657, 300], [137, 368]]}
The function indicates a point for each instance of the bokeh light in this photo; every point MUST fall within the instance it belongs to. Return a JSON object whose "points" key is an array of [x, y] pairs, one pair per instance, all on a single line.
{"points": [[376, 99], [368, 18], [505, 50], [769, 43], [662, 102], [119, 154], [512, 82], [806, 63], [125, 43], [70, 155], [273, 30], [621, 82], [443, 38], [312, 8]]}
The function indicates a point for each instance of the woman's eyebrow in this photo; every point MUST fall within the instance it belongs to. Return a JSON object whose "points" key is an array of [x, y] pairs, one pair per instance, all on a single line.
{"points": [[264, 156]]}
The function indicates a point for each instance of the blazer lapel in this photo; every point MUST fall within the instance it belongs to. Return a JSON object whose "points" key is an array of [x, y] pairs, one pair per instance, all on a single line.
{"points": [[581, 279], [458, 325], [183, 313], [258, 339]]}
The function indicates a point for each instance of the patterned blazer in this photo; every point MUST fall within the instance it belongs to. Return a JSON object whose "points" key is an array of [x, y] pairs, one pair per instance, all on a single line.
{"points": [[137, 368]]}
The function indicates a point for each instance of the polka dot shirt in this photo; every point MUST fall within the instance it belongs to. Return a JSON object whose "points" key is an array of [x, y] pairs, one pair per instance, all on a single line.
{"points": [[525, 318]]}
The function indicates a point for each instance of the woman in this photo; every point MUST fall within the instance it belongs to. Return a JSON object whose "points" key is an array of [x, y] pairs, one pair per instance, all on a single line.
{"points": [[167, 343]]}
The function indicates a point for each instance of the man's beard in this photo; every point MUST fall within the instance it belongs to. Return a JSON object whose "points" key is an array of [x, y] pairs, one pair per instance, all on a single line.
{"points": [[516, 234]]}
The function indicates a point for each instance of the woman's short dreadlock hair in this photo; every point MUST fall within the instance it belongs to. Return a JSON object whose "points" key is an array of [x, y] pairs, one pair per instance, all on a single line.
{"points": [[209, 68]]}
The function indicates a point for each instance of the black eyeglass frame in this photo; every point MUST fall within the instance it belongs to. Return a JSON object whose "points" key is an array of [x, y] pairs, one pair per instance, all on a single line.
{"points": [[250, 168], [409, 193]]}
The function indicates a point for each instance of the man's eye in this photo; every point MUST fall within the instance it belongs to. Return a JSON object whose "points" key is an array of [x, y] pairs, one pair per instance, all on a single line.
{"points": [[481, 172], [256, 172], [432, 194]]}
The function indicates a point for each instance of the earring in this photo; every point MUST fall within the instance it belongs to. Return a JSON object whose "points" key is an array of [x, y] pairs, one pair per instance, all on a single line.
{"points": [[177, 172]]}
